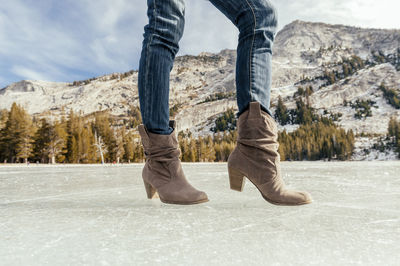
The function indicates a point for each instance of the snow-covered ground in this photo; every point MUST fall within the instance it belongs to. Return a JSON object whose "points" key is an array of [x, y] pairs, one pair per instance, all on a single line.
{"points": [[99, 215], [363, 150]]}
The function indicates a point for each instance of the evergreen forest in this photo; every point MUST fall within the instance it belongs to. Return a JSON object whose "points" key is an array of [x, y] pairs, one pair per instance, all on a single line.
{"points": [[103, 138]]}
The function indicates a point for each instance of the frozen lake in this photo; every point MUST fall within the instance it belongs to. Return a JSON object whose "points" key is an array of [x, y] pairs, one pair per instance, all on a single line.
{"points": [[99, 215]]}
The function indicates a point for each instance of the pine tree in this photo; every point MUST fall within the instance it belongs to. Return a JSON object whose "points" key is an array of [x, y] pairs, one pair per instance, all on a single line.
{"points": [[3, 145], [128, 147], [304, 113], [210, 152], [49, 142], [61, 130], [192, 150], [394, 134], [72, 145], [281, 113], [41, 141], [393, 126], [201, 148], [3, 118], [87, 148], [138, 150], [135, 117], [17, 135], [120, 145]]}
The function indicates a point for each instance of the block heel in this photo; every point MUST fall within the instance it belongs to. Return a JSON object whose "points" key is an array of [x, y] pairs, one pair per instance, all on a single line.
{"points": [[236, 179], [150, 190]]}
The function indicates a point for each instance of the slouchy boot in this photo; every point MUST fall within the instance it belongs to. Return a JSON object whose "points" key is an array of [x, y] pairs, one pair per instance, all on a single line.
{"points": [[162, 173], [256, 157]]}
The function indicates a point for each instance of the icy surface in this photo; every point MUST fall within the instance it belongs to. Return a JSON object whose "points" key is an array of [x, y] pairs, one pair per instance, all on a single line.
{"points": [[99, 215]]}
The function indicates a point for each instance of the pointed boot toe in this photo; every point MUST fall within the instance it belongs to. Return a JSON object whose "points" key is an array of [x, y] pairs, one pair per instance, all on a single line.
{"points": [[307, 198], [194, 198], [202, 197], [289, 197]]}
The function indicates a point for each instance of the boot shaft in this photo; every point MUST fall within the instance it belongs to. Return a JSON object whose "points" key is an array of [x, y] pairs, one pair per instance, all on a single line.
{"points": [[160, 147], [254, 123], [258, 132]]}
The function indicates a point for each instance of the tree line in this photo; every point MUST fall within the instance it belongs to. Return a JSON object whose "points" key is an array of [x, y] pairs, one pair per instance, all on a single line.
{"points": [[96, 138], [318, 137], [391, 141], [99, 138], [391, 96], [72, 139], [393, 135]]}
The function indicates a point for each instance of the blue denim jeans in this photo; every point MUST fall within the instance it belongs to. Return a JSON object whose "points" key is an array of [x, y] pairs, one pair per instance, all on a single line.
{"points": [[256, 21]]}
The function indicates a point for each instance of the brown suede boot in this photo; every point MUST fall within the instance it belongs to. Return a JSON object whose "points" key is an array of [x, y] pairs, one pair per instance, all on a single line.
{"points": [[256, 157], [163, 173]]}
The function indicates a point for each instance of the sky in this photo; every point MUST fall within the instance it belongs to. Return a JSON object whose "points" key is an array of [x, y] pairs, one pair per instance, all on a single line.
{"points": [[78, 39]]}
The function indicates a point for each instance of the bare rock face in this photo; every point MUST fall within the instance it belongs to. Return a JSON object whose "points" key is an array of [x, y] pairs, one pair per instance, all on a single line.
{"points": [[301, 51], [22, 86], [301, 48], [361, 86], [300, 36]]}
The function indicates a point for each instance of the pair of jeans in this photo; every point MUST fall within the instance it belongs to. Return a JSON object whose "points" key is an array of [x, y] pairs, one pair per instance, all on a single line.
{"points": [[256, 21]]}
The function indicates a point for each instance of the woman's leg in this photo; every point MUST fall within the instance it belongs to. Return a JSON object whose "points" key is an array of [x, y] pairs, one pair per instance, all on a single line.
{"points": [[256, 154], [162, 172], [257, 23], [160, 45]]}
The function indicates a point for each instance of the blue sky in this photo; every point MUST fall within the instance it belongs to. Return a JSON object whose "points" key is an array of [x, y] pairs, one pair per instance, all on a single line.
{"points": [[77, 39]]}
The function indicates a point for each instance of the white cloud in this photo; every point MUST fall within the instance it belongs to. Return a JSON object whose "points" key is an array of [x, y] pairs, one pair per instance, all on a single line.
{"points": [[88, 38], [202, 34], [376, 14], [77, 39], [28, 38], [363, 13], [29, 73]]}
